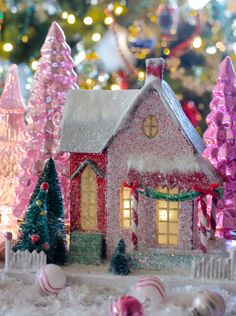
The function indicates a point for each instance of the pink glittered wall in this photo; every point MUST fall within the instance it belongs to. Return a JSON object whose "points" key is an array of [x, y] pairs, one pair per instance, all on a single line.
{"points": [[100, 161], [168, 144]]}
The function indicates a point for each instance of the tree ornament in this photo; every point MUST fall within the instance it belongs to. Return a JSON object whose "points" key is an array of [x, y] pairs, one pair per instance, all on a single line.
{"points": [[209, 303], [21, 235], [191, 111], [168, 19], [44, 186], [115, 43], [126, 305], [35, 238], [46, 246], [220, 143], [53, 78], [142, 39], [39, 202]]}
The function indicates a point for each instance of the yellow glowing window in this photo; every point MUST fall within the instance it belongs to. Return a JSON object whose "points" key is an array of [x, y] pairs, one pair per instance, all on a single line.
{"points": [[167, 220], [150, 126], [88, 200], [125, 207]]}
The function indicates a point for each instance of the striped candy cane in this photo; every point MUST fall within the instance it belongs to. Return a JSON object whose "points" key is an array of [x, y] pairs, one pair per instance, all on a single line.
{"points": [[213, 217], [134, 219], [203, 225], [134, 212]]}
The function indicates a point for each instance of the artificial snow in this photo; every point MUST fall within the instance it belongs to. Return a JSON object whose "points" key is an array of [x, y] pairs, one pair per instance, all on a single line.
{"points": [[149, 162], [90, 291]]}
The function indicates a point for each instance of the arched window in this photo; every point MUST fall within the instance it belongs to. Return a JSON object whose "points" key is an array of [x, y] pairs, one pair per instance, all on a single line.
{"points": [[150, 126]]}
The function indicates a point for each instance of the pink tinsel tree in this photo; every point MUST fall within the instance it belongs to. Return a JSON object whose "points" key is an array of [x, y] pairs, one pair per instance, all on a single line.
{"points": [[12, 110], [53, 78], [220, 143]]}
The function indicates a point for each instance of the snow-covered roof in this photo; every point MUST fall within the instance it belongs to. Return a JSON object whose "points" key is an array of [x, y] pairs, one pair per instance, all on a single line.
{"points": [[92, 117]]}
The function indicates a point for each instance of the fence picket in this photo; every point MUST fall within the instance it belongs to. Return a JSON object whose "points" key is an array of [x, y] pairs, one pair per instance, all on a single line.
{"points": [[211, 268]]}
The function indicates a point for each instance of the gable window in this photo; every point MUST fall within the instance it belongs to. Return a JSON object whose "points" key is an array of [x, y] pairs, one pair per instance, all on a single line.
{"points": [[125, 207], [167, 220], [88, 203], [150, 126]]}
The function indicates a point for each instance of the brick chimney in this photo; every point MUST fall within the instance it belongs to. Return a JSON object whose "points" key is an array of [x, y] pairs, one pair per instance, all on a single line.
{"points": [[154, 69]]}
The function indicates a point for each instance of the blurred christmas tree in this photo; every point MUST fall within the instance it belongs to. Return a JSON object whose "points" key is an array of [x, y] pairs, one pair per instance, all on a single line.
{"points": [[110, 41]]}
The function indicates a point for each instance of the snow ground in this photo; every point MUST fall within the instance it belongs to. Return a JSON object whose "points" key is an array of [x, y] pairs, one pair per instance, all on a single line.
{"points": [[90, 290]]}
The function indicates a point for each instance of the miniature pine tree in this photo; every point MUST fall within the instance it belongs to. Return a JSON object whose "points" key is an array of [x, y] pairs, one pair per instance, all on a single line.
{"points": [[33, 234], [58, 251], [220, 142], [119, 262], [11, 138], [53, 78], [55, 209]]}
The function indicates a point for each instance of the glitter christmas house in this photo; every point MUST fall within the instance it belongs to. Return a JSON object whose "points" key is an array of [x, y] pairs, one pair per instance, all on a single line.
{"points": [[143, 138]]}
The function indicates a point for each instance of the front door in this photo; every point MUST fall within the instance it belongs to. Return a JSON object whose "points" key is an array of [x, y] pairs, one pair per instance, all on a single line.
{"points": [[88, 200]]}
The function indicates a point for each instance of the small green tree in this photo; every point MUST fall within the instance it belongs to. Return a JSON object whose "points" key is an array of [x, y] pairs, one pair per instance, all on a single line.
{"points": [[58, 251], [55, 210], [119, 261], [33, 233]]}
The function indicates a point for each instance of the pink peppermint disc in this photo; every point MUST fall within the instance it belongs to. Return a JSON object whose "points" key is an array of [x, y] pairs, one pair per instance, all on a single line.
{"points": [[50, 279], [126, 305], [149, 288]]}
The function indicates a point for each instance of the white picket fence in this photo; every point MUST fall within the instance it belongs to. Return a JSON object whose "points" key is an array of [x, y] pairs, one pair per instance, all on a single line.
{"points": [[23, 260], [212, 268]]}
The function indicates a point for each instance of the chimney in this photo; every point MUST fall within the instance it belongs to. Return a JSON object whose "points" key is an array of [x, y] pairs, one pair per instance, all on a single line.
{"points": [[154, 69]]}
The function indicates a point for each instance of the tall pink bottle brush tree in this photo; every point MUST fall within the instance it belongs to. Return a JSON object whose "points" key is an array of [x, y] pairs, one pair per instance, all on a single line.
{"points": [[53, 78], [220, 142], [12, 110]]}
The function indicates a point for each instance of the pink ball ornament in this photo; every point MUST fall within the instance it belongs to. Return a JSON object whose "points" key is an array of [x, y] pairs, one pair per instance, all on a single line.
{"points": [[50, 279], [126, 306], [34, 238], [209, 303], [149, 288], [46, 246]]}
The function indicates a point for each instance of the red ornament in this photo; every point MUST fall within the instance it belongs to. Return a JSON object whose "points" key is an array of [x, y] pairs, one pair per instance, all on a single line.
{"points": [[46, 246], [127, 305], [44, 186], [34, 238]]}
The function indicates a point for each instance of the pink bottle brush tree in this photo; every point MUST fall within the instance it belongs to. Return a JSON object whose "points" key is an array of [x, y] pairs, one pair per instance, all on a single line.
{"points": [[12, 110], [53, 78], [220, 143]]}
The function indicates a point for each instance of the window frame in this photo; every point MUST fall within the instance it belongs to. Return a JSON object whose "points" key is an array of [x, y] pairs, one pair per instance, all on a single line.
{"points": [[169, 208], [123, 209], [94, 227], [150, 126]]}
